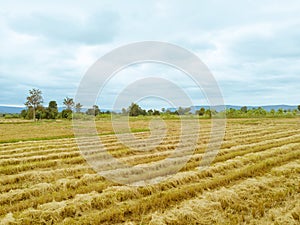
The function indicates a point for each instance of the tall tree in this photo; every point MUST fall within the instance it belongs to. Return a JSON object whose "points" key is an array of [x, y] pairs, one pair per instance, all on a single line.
{"points": [[34, 100], [298, 107], [52, 110], [135, 110], [69, 103], [78, 107], [96, 110]]}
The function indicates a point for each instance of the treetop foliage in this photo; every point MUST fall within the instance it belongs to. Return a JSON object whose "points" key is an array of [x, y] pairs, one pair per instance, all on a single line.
{"points": [[35, 110]]}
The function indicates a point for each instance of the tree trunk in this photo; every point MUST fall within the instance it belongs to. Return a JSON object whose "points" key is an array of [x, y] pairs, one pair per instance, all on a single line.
{"points": [[33, 114]]}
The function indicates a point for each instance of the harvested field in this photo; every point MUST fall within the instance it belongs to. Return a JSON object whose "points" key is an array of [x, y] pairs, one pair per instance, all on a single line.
{"points": [[255, 178]]}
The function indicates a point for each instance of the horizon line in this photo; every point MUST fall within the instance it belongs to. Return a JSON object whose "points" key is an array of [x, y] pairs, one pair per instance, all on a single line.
{"points": [[283, 104]]}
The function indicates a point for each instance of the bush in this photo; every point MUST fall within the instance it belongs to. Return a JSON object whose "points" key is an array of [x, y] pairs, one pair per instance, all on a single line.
{"points": [[11, 116], [66, 114]]}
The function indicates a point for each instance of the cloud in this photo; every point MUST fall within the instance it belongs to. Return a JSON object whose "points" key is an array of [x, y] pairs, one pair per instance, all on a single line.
{"points": [[280, 43], [251, 47], [144, 75], [97, 28]]}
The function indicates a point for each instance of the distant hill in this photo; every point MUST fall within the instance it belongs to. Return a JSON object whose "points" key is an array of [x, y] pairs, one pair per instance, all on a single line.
{"points": [[11, 109], [16, 109]]}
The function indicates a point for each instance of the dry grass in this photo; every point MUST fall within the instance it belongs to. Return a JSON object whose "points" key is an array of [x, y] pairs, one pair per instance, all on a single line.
{"points": [[253, 180], [42, 130]]}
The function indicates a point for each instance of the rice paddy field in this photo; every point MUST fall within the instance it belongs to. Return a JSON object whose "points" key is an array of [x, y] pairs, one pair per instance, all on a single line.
{"points": [[255, 178]]}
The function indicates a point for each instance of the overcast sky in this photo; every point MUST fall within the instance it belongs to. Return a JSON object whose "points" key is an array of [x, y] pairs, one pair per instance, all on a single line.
{"points": [[251, 47]]}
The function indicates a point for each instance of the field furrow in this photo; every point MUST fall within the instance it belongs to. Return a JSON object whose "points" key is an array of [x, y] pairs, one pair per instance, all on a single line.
{"points": [[254, 179]]}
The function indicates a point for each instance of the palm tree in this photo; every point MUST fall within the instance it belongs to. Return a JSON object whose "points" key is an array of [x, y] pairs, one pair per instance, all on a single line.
{"points": [[69, 103], [78, 107]]}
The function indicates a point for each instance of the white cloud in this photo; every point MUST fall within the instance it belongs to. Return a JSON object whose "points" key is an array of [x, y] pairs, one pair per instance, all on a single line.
{"points": [[94, 29], [252, 47]]}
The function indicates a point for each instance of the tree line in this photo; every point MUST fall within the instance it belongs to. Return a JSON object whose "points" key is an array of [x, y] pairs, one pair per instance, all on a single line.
{"points": [[35, 110], [244, 112]]}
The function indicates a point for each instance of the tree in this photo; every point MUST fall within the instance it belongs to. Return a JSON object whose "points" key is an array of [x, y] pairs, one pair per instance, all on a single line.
{"points": [[183, 111], [93, 111], [298, 107], [41, 112], [69, 103], [52, 110], [136, 110], [280, 111], [78, 107], [180, 110], [201, 112], [208, 113], [150, 112], [260, 112], [66, 114], [294, 112], [187, 110], [272, 112], [168, 111], [124, 111], [23, 113], [176, 113], [156, 113], [96, 110], [244, 109], [34, 100]]}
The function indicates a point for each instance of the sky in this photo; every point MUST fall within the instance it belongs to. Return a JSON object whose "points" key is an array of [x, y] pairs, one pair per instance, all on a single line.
{"points": [[252, 48]]}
